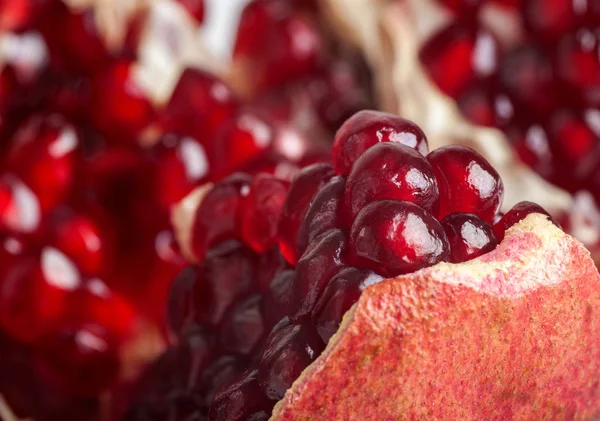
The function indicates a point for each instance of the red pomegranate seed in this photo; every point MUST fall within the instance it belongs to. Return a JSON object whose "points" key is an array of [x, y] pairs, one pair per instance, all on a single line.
{"points": [[33, 294], [533, 147], [366, 128], [304, 187], [394, 237], [458, 55], [527, 77], [390, 171], [18, 14], [200, 103], [180, 304], [467, 182], [323, 212], [21, 211], [260, 210], [469, 236], [240, 400], [341, 293], [323, 258], [82, 359], [289, 350], [226, 275], [44, 154], [218, 374], [194, 8], [270, 263], [216, 218], [577, 64], [119, 104], [243, 327], [194, 353], [179, 164], [549, 20], [484, 106], [278, 296], [517, 213]]}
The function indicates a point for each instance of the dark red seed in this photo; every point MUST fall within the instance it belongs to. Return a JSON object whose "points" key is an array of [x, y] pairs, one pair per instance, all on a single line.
{"points": [[343, 290], [194, 352], [482, 105], [458, 55], [270, 263], [323, 258], [466, 181], [533, 147], [394, 237], [21, 210], [390, 171], [239, 400], [287, 353], [216, 219], [260, 210], [180, 304], [517, 213], [222, 371], [323, 213], [549, 20], [304, 187], [278, 296], [243, 326], [82, 359], [469, 236], [366, 128], [227, 274]]}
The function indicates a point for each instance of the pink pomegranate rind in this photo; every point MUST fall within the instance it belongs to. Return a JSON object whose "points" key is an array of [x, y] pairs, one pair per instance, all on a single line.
{"points": [[509, 335]]}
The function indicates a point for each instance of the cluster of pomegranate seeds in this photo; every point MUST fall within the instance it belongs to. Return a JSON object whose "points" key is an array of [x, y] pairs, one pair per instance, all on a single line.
{"points": [[91, 164], [542, 89], [265, 298]]}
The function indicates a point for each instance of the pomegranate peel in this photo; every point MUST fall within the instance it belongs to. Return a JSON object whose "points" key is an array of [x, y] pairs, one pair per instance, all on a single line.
{"points": [[506, 335]]}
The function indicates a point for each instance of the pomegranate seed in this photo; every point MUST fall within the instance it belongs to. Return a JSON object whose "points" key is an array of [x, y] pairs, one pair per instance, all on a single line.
{"points": [[394, 237], [195, 8], [458, 55], [16, 15], [304, 187], [464, 7], [341, 293], [180, 164], [239, 141], [484, 106], [226, 275], [577, 64], [216, 218], [120, 105], [222, 371], [181, 299], [323, 212], [390, 171], [533, 147], [469, 236], [21, 210], [270, 263], [549, 20], [366, 128], [82, 359], [288, 352], [527, 77], [278, 296], [323, 258], [517, 213], [239, 400], [198, 95], [243, 326], [260, 212], [467, 182]]}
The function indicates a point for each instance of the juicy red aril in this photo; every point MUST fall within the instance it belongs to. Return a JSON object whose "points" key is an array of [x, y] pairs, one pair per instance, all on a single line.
{"points": [[394, 237], [226, 275], [533, 147], [270, 263], [366, 128], [458, 55], [517, 213], [279, 296], [466, 181], [180, 164], [239, 400], [526, 76], [180, 304], [18, 14], [243, 326], [304, 187], [343, 290], [468, 235], [390, 171], [216, 218], [120, 105], [216, 375], [577, 64], [323, 212], [199, 104], [288, 352], [21, 211], [550, 19], [325, 256], [239, 141], [260, 210], [84, 359], [483, 105]]}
